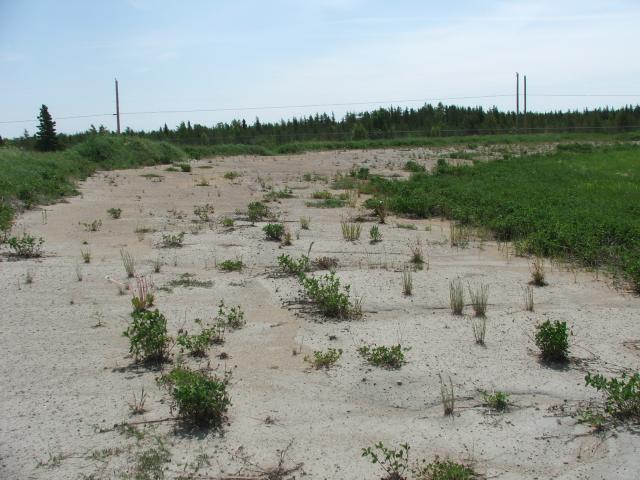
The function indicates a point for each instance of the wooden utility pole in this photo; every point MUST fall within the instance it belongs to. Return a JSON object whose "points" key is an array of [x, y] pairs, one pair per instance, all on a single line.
{"points": [[525, 104], [517, 98], [117, 108]]}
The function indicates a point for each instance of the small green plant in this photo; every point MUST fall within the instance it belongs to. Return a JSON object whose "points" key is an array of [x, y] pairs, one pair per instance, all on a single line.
{"points": [[274, 231], [382, 356], [231, 175], [184, 167], [456, 296], [443, 470], [203, 211], [128, 262], [622, 394], [256, 211], [290, 266], [197, 344], [479, 328], [170, 240], [331, 299], [227, 222], [479, 298], [274, 195], [350, 231], [417, 254], [287, 238], [447, 396], [148, 337], [394, 462], [326, 203], [374, 234], [231, 317], [553, 341], [322, 195], [498, 401], [85, 253], [26, 246], [413, 166], [324, 359], [538, 272], [92, 226], [407, 281], [115, 213], [231, 265], [137, 405], [199, 398], [305, 222], [378, 207]]}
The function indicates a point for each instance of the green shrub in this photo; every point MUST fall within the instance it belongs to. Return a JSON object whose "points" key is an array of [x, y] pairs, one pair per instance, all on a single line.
{"points": [[324, 359], [332, 301], [197, 344], [394, 462], [231, 175], [622, 394], [184, 167], [326, 203], [256, 211], [115, 212], [92, 226], [231, 265], [172, 240], [148, 337], [294, 267], [26, 246], [444, 470], [274, 231], [227, 222], [413, 166], [374, 234], [498, 401], [322, 195], [382, 356], [553, 341], [231, 317], [200, 399]]}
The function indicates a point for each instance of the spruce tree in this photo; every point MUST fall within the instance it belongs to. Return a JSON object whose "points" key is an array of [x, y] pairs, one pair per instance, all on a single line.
{"points": [[47, 140]]}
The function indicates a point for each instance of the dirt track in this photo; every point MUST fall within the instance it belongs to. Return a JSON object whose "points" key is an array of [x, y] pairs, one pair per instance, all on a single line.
{"points": [[64, 378]]}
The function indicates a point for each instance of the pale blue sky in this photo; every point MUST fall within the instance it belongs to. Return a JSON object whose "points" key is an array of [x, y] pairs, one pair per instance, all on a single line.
{"points": [[196, 54]]}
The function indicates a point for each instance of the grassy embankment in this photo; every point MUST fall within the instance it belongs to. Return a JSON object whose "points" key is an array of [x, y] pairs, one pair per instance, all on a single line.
{"points": [[580, 204]]}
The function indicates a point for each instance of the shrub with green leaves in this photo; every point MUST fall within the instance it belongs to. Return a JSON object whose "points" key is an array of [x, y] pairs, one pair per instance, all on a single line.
{"points": [[184, 167], [148, 337], [274, 231], [172, 240], [413, 166], [231, 317], [26, 246], [394, 462], [622, 394], [231, 265], [256, 211], [115, 212], [382, 356], [498, 401], [198, 344], [291, 266], [443, 470], [324, 359], [553, 341], [374, 234], [332, 300], [199, 398], [227, 222]]}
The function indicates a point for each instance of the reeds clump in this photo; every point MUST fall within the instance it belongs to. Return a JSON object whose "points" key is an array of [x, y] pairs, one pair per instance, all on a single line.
{"points": [[528, 298], [537, 272], [407, 281], [479, 299], [128, 263], [447, 396], [459, 235], [350, 230], [456, 296], [479, 327]]}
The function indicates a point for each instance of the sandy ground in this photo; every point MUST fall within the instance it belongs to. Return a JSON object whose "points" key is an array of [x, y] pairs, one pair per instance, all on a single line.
{"points": [[67, 378]]}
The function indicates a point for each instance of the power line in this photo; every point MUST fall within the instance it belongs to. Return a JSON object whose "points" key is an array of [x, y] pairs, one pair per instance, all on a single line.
{"points": [[318, 105]]}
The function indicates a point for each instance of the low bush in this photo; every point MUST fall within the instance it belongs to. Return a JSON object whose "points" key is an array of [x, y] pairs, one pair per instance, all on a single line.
{"points": [[382, 356], [114, 212], [622, 394], [199, 398], [274, 231], [444, 470], [184, 167], [198, 344], [324, 359], [394, 462], [332, 300], [172, 240], [92, 226], [26, 246], [553, 341], [148, 337], [413, 166], [231, 265], [498, 401], [257, 211], [291, 266], [327, 203], [230, 317]]}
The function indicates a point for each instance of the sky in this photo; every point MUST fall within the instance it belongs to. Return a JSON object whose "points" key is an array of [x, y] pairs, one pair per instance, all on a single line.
{"points": [[306, 56]]}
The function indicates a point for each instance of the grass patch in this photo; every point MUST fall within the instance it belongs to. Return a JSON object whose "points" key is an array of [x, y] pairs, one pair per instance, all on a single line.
{"points": [[327, 203], [324, 359], [574, 204], [382, 356], [189, 280], [231, 265]]}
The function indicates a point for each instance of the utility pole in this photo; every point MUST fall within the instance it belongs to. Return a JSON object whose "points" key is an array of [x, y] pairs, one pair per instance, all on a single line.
{"points": [[517, 98], [117, 107], [525, 104]]}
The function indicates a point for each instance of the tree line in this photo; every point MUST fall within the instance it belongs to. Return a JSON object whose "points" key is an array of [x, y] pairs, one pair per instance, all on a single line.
{"points": [[382, 123]]}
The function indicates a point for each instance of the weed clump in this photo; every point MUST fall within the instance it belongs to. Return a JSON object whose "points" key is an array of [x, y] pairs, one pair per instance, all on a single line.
{"points": [[257, 211], [324, 359], [26, 246], [274, 231], [294, 267], [382, 356], [444, 470], [538, 272], [553, 341], [622, 394], [350, 231], [498, 401], [114, 213], [231, 265], [374, 234], [172, 240], [479, 299], [394, 462], [332, 300], [200, 399]]}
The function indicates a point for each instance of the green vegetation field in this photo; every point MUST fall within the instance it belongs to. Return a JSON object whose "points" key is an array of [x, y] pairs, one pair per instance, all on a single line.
{"points": [[581, 203]]}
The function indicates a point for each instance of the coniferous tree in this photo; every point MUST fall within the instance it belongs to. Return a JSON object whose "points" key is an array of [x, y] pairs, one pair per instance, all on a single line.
{"points": [[47, 140]]}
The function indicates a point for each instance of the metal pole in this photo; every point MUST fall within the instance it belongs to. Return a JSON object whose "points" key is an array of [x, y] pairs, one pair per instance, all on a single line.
{"points": [[517, 98], [525, 103], [117, 107]]}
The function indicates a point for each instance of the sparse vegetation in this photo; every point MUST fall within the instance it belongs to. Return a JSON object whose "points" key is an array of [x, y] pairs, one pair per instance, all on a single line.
{"points": [[326, 263], [327, 203], [291, 266], [203, 212], [479, 328], [528, 298], [407, 281], [350, 231], [231, 175], [444, 470], [26, 246], [199, 398], [447, 396], [324, 359], [456, 296], [198, 344], [391, 357], [231, 317], [305, 222], [498, 401], [553, 341], [413, 166], [459, 235], [479, 298], [184, 167], [538, 272], [417, 254], [332, 300], [231, 265], [622, 395], [114, 213], [394, 462], [85, 253], [171, 240], [128, 262], [274, 231], [257, 211], [92, 226], [374, 234]]}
